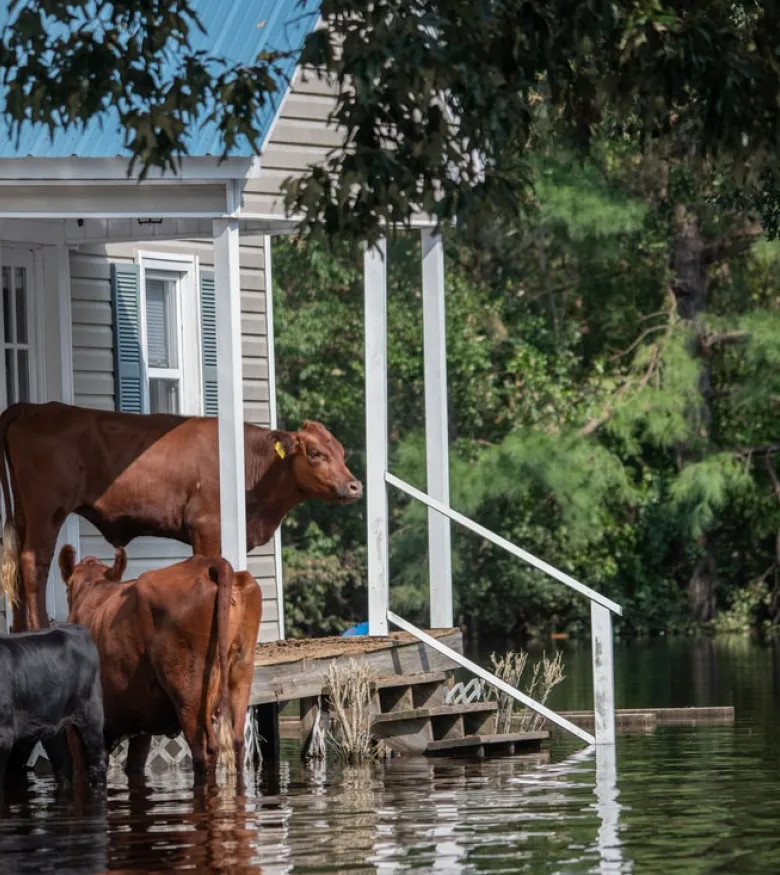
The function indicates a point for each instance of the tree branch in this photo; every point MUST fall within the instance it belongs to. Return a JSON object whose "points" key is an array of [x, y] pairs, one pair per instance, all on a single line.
{"points": [[709, 339], [772, 475], [733, 242]]}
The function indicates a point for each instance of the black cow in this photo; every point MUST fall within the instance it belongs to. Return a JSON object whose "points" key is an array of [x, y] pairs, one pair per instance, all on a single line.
{"points": [[50, 682]]}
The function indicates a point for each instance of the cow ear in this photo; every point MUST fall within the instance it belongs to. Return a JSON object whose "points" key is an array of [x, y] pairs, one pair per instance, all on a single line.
{"points": [[120, 564], [285, 443], [67, 562]]}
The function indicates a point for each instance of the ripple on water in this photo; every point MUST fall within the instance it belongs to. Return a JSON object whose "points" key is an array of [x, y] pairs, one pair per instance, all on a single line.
{"points": [[686, 800]]}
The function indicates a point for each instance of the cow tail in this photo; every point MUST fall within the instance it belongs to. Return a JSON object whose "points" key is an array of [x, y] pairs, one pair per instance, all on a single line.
{"points": [[9, 563], [225, 749]]}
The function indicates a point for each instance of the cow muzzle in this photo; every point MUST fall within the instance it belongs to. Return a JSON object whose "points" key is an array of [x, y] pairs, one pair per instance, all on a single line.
{"points": [[352, 490]]}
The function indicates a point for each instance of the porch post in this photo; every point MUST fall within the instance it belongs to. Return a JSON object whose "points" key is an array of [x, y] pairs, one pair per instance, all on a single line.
{"points": [[603, 674], [375, 281], [436, 432], [227, 281]]}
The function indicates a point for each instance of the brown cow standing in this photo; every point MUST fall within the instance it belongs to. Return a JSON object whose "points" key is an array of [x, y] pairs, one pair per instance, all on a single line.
{"points": [[163, 668], [132, 475]]}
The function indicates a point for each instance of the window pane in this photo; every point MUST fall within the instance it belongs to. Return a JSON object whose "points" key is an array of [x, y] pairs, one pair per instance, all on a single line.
{"points": [[160, 319], [24, 374], [7, 304], [21, 304], [163, 396], [10, 376]]}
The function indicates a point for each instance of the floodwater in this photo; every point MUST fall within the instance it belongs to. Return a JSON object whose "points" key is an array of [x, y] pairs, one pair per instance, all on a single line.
{"points": [[675, 800]]}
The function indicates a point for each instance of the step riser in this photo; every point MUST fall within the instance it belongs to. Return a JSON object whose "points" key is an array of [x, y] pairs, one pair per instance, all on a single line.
{"points": [[428, 696], [479, 724], [448, 728], [393, 699], [410, 736]]}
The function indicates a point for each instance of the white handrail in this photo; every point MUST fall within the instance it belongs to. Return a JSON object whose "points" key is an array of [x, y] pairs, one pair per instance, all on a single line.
{"points": [[506, 545], [492, 679]]}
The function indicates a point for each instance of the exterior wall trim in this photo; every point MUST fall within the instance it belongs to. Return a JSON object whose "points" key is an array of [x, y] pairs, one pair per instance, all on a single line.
{"points": [[77, 171]]}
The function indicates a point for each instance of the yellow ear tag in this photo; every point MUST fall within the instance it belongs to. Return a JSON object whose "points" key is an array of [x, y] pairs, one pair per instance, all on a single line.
{"points": [[280, 451]]}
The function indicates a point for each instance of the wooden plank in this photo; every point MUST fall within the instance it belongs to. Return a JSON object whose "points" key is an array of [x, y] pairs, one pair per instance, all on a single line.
{"points": [[406, 680], [627, 719], [516, 738], [309, 709], [281, 676], [440, 711]]}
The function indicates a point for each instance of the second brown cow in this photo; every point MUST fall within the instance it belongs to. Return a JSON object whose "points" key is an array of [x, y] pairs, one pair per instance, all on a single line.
{"points": [[132, 475], [176, 652]]}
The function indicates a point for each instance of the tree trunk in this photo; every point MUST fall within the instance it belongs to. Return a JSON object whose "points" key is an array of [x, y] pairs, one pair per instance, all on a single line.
{"points": [[703, 582], [690, 290]]}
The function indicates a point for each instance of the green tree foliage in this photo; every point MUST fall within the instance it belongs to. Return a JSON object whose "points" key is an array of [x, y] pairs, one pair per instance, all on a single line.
{"points": [[582, 427], [440, 99]]}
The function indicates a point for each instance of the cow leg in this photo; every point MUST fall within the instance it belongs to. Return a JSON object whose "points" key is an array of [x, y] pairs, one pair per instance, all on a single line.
{"points": [[195, 734], [90, 734], [58, 752], [16, 764], [137, 753], [6, 746], [240, 691], [206, 542], [35, 562]]}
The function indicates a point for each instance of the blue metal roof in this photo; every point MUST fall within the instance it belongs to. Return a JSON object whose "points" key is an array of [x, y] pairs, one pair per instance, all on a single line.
{"points": [[236, 30]]}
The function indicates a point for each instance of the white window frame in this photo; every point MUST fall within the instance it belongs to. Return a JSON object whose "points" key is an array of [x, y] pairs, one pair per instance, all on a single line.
{"points": [[11, 256], [183, 271]]}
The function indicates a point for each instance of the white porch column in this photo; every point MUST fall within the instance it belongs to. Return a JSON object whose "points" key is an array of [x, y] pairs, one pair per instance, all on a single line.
{"points": [[436, 432], [603, 674], [269, 321], [375, 280], [227, 282]]}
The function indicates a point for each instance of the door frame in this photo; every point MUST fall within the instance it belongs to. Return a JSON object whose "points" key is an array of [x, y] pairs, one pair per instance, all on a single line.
{"points": [[28, 257], [51, 372]]}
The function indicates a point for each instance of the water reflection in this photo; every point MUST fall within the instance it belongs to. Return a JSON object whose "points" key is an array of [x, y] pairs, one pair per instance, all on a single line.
{"points": [[608, 809], [676, 800]]}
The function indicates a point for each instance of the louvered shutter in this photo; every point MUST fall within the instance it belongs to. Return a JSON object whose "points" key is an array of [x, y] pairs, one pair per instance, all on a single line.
{"points": [[128, 361], [208, 328]]}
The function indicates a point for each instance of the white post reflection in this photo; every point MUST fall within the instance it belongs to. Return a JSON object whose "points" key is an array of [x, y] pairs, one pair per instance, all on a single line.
{"points": [[608, 808]]}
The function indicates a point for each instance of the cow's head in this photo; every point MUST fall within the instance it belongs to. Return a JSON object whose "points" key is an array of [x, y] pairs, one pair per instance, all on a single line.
{"points": [[79, 575], [317, 463]]}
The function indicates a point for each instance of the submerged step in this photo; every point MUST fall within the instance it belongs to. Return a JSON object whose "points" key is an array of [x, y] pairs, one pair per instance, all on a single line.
{"points": [[481, 745]]}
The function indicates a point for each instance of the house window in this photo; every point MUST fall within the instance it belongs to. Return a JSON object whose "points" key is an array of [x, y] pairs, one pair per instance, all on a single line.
{"points": [[163, 356], [170, 335], [16, 279]]}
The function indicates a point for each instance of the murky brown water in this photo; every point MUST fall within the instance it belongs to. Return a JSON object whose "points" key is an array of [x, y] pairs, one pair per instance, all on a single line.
{"points": [[678, 800]]}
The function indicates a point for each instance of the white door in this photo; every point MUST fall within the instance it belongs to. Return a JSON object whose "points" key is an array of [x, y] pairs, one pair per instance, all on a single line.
{"points": [[18, 375]]}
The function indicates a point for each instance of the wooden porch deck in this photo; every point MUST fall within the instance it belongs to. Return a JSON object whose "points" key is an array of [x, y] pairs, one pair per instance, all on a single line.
{"points": [[298, 669]]}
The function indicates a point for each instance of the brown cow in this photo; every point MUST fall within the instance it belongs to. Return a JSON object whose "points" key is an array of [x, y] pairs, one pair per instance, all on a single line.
{"points": [[132, 475], [164, 667]]}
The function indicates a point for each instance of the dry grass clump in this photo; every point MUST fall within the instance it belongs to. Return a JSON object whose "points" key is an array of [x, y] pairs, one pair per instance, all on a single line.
{"points": [[546, 675], [350, 711]]}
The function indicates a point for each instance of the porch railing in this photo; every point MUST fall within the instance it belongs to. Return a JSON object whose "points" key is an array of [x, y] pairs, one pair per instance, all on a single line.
{"points": [[601, 610]]}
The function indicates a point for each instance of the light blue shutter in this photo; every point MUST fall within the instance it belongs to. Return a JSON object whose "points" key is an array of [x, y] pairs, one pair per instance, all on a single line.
{"points": [[128, 369], [208, 328]]}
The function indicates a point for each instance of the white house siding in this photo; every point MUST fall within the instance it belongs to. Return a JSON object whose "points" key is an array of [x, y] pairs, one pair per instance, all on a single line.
{"points": [[299, 139], [93, 375]]}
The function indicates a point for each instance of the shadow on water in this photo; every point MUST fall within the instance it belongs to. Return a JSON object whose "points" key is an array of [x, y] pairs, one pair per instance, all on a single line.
{"points": [[675, 800]]}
